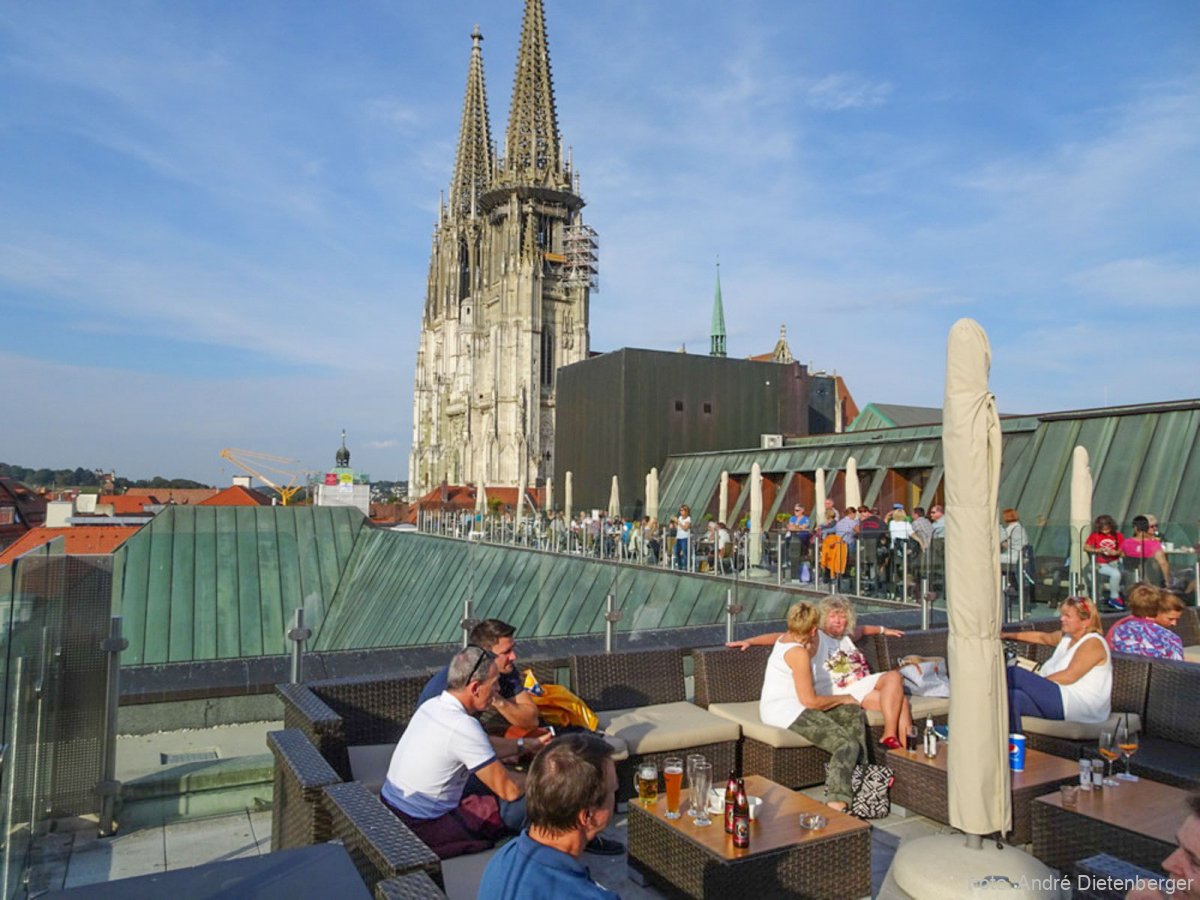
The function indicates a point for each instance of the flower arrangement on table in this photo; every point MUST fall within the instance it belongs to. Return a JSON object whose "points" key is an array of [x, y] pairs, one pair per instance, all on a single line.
{"points": [[846, 668]]}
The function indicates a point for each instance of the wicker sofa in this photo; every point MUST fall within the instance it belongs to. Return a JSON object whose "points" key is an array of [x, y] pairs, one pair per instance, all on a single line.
{"points": [[313, 805], [640, 697]]}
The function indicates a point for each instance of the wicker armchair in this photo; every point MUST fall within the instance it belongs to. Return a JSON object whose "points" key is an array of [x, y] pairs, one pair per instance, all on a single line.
{"points": [[413, 886], [1170, 743], [728, 684], [641, 697], [381, 846], [297, 815]]}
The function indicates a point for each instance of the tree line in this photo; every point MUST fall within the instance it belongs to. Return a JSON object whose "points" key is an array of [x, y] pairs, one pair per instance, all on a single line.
{"points": [[87, 478]]}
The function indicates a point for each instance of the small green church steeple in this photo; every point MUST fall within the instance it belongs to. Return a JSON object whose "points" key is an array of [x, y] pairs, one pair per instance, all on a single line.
{"points": [[717, 338]]}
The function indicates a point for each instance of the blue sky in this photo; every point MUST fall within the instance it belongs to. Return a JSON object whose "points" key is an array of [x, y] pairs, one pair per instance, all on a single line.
{"points": [[215, 218]]}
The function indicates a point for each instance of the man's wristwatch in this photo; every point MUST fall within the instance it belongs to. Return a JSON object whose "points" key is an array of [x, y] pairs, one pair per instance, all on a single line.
{"points": [[520, 745]]}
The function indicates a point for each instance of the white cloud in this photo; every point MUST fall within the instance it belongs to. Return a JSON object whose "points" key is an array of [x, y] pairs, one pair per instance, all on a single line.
{"points": [[1142, 282], [843, 90]]}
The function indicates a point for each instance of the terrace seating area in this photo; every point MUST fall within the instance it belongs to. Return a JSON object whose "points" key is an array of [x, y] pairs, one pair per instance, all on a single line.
{"points": [[331, 755]]}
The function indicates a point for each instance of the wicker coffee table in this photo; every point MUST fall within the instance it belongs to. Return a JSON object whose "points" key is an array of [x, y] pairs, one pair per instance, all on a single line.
{"points": [[921, 785], [1135, 822], [783, 859]]}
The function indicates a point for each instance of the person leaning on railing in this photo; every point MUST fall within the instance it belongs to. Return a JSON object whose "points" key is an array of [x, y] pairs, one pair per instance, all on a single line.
{"points": [[1075, 684]]}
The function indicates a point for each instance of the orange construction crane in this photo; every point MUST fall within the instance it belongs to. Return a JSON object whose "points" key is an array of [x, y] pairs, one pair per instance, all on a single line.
{"points": [[270, 463]]}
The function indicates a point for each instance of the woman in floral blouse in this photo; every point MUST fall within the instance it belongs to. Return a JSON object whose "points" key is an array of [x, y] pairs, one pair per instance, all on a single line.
{"points": [[1139, 634]]}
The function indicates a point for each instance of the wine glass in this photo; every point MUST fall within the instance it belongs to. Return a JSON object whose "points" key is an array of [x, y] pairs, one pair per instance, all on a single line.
{"points": [[1127, 743], [702, 785], [1108, 751]]}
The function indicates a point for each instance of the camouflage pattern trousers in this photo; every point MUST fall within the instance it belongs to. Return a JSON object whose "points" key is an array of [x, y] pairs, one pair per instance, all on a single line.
{"points": [[842, 733]]}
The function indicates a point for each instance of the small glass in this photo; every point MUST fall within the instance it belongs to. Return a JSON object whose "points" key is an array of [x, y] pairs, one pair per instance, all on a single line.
{"points": [[1127, 743], [912, 740], [647, 784], [812, 821], [1107, 746], [694, 799], [673, 782], [701, 786], [1070, 796]]}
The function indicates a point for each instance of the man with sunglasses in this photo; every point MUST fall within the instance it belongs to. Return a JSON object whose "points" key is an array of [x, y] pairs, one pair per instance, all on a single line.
{"points": [[510, 699], [444, 745]]}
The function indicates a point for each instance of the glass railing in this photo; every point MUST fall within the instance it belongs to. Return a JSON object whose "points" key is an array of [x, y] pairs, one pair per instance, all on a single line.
{"points": [[54, 613]]}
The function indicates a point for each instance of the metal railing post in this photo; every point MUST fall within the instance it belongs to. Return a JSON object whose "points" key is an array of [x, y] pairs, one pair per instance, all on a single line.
{"points": [[926, 610], [858, 568], [109, 788], [298, 635], [1021, 591], [731, 611], [611, 617], [904, 572], [1095, 583], [467, 623], [779, 559]]}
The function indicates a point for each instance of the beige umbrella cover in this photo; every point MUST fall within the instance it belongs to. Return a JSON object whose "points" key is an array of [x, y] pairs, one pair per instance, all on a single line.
{"points": [[723, 500], [649, 490], [549, 495], [853, 492], [481, 500], [652, 499], [1081, 509], [568, 496], [521, 483], [756, 514], [818, 511], [614, 499], [980, 801]]}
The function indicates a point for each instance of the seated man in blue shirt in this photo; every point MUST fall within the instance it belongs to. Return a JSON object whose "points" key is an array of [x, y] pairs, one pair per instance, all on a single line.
{"points": [[570, 794]]}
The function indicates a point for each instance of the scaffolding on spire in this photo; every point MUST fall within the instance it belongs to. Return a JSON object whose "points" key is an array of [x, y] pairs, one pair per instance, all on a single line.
{"points": [[581, 248]]}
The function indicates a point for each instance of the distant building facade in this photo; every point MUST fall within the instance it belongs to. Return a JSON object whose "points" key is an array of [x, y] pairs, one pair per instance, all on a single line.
{"points": [[510, 277]]}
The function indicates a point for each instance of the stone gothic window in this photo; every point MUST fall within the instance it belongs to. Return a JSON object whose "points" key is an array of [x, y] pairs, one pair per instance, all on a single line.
{"points": [[547, 356], [464, 270]]}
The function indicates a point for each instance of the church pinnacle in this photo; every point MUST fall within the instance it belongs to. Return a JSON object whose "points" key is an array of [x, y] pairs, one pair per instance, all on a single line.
{"points": [[717, 337], [533, 154], [473, 165]]}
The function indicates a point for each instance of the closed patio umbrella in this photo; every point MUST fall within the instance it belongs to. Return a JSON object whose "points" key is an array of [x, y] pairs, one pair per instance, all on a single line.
{"points": [[853, 494], [818, 511], [614, 499], [549, 495], [1081, 512], [652, 498], [980, 799], [567, 498], [756, 514], [723, 504]]}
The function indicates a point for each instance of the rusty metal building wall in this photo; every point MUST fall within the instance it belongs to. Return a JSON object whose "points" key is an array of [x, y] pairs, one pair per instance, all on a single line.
{"points": [[623, 412]]}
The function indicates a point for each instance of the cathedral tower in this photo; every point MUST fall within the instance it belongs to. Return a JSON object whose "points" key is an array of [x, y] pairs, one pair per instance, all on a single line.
{"points": [[510, 276]]}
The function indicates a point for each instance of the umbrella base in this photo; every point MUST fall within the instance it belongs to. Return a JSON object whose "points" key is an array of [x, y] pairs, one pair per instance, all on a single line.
{"points": [[944, 866]]}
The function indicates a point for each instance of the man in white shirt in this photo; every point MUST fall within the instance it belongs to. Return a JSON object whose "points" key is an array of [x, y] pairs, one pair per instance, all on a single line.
{"points": [[441, 747]]}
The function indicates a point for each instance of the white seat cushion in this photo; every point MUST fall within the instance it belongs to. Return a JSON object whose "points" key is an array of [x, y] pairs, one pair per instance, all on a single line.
{"points": [[1192, 654], [746, 716], [922, 708], [666, 726], [1078, 731], [369, 764]]}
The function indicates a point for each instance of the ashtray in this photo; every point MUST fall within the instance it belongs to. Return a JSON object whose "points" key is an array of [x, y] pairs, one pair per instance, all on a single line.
{"points": [[813, 821]]}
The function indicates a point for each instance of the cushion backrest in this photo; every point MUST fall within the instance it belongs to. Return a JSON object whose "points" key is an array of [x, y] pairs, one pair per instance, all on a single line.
{"points": [[918, 643], [724, 675], [629, 678], [1131, 678], [1171, 702], [1189, 627], [375, 710]]}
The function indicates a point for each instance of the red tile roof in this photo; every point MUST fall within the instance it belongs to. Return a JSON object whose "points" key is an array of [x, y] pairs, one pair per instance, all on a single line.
{"points": [[81, 539], [462, 496], [182, 496], [126, 504], [236, 495]]}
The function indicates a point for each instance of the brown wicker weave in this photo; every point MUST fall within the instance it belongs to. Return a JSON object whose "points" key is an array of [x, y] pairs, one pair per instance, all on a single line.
{"points": [[1188, 628], [379, 843], [1061, 838], [736, 676], [298, 817], [641, 678], [413, 886], [836, 867]]}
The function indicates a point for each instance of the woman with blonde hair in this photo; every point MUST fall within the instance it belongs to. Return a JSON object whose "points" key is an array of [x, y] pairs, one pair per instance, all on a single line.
{"points": [[835, 723], [1075, 684]]}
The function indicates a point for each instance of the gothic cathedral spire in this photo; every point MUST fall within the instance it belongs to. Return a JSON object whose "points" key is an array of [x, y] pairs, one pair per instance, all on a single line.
{"points": [[533, 152], [511, 273], [474, 165]]}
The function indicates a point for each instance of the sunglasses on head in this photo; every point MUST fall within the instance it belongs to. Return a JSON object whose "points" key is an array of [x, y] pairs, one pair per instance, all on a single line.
{"points": [[484, 656]]}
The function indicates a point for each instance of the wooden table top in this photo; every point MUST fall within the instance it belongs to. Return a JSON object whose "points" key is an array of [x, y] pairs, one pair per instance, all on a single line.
{"points": [[1144, 807], [1040, 768], [777, 825]]}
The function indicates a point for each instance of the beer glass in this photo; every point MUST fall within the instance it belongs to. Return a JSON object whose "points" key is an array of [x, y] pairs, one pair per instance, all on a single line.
{"points": [[647, 783], [694, 799], [700, 788], [673, 782]]}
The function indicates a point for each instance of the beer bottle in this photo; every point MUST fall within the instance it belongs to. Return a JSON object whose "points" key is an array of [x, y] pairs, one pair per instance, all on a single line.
{"points": [[730, 800], [741, 818]]}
